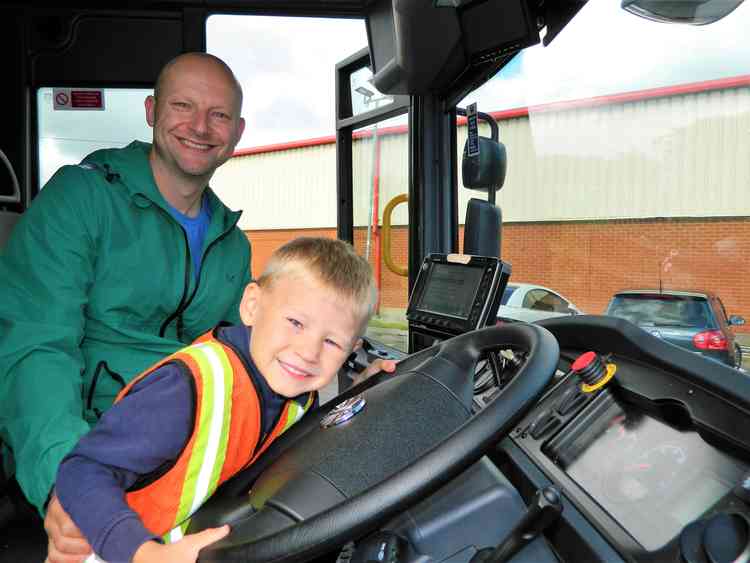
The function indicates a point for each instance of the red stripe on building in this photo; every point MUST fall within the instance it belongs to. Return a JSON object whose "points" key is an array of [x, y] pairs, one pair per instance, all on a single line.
{"points": [[596, 101]]}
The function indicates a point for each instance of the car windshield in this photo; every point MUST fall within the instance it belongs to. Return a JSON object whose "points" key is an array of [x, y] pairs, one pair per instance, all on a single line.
{"points": [[509, 289], [656, 310], [627, 143]]}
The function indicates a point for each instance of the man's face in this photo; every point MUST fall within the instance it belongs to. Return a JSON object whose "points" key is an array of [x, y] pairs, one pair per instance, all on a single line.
{"points": [[302, 332], [196, 119]]}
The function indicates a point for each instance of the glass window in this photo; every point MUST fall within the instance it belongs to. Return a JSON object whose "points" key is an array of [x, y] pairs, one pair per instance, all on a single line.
{"points": [[532, 297], [627, 159], [74, 122], [557, 303], [507, 292], [662, 310], [365, 97], [283, 173], [381, 221]]}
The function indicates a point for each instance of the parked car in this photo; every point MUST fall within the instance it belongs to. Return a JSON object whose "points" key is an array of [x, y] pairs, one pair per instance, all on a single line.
{"points": [[696, 320], [529, 302]]}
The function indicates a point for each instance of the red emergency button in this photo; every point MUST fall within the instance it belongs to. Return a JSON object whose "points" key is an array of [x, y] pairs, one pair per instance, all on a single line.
{"points": [[590, 368], [583, 361]]}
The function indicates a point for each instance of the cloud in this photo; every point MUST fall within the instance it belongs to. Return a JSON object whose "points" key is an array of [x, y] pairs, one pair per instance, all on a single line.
{"points": [[286, 65], [287, 70]]}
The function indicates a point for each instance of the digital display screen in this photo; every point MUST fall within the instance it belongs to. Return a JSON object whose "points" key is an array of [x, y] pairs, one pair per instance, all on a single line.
{"points": [[652, 478], [450, 290]]}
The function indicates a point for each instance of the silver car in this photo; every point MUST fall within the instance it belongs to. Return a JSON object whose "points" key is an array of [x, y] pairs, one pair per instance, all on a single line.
{"points": [[528, 302]]}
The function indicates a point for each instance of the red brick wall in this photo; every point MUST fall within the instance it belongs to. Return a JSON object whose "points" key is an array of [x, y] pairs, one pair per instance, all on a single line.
{"points": [[393, 290], [265, 242], [589, 261]]}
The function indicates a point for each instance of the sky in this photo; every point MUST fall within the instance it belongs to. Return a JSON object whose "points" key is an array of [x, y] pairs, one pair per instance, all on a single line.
{"points": [[614, 52], [287, 69]]}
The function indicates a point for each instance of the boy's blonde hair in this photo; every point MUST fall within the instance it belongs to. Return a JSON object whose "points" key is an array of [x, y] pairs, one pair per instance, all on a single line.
{"points": [[333, 262]]}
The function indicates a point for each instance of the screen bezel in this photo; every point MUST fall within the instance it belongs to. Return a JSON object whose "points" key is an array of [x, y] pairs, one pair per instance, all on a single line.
{"points": [[434, 269], [495, 277]]}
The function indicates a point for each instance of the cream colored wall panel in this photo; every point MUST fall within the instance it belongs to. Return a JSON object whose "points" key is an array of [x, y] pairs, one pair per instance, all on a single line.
{"points": [[632, 160], [678, 156], [283, 189]]}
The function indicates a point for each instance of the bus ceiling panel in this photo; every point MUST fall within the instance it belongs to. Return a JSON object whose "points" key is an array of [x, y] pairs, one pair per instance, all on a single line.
{"points": [[117, 49], [420, 47], [450, 47], [320, 8], [300, 7], [551, 16]]}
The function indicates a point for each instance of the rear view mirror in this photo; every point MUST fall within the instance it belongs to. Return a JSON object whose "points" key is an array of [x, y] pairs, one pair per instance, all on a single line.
{"points": [[486, 171], [736, 320], [694, 12]]}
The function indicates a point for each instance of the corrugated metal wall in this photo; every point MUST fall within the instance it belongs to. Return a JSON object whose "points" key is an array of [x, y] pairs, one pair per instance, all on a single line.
{"points": [[681, 156], [678, 156], [294, 188]]}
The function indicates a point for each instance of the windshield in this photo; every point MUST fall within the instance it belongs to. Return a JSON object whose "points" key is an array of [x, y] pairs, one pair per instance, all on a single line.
{"points": [[509, 289], [662, 310], [627, 144]]}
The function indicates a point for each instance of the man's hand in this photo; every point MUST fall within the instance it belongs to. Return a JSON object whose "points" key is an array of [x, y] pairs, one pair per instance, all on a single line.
{"points": [[183, 551], [388, 366], [66, 543]]}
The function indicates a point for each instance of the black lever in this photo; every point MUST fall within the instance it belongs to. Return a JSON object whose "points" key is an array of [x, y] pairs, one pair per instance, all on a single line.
{"points": [[544, 509]]}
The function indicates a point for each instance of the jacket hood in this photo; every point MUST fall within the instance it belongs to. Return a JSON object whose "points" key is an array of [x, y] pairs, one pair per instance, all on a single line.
{"points": [[131, 165]]}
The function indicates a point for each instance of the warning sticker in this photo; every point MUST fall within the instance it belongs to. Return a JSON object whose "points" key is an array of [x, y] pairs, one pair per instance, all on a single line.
{"points": [[472, 142], [78, 99]]}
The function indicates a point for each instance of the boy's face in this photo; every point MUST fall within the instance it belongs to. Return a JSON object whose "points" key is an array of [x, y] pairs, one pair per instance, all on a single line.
{"points": [[302, 332]]}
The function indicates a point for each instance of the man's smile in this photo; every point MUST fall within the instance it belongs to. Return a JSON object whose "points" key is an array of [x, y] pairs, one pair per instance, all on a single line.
{"points": [[194, 145]]}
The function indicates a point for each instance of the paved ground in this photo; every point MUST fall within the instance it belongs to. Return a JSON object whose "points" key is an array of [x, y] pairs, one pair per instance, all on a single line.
{"points": [[390, 328], [744, 341]]}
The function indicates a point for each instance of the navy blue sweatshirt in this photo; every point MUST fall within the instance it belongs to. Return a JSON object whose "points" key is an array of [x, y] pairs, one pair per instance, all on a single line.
{"points": [[135, 437]]}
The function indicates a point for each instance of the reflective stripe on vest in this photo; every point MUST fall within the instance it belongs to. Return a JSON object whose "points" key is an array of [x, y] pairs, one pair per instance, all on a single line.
{"points": [[210, 447], [292, 413], [223, 441]]}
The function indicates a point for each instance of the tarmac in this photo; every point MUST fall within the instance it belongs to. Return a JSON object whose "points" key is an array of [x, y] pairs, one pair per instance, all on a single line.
{"points": [[389, 326]]}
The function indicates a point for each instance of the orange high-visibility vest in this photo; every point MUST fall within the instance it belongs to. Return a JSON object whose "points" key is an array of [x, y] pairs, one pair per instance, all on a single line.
{"points": [[225, 437]]}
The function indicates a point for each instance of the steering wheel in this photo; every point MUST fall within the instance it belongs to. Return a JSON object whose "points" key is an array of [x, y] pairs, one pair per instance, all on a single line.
{"points": [[319, 486]]}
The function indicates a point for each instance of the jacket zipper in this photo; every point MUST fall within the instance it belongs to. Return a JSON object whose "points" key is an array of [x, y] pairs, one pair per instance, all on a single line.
{"points": [[185, 303]]}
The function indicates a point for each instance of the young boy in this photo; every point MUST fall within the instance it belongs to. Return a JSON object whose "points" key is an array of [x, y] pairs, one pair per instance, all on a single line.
{"points": [[201, 415]]}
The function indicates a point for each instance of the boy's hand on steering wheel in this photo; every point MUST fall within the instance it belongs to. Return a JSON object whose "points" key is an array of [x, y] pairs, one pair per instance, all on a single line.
{"points": [[185, 550], [388, 366]]}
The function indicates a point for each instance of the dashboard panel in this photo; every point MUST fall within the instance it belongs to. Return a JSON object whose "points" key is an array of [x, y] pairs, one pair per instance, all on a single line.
{"points": [[652, 466], [660, 451]]}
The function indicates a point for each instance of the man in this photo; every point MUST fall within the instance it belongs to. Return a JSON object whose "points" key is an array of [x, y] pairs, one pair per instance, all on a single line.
{"points": [[119, 262]]}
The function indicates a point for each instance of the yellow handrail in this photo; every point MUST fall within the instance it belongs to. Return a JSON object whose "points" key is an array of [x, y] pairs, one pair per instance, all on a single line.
{"points": [[387, 212]]}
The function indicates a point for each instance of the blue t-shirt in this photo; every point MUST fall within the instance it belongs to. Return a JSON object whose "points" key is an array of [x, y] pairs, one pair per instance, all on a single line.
{"points": [[195, 228]]}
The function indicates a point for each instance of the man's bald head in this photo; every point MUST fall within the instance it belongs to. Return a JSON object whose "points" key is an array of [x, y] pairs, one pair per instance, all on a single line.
{"points": [[188, 61]]}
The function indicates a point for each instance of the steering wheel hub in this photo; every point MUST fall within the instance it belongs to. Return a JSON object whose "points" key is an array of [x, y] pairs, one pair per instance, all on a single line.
{"points": [[344, 411]]}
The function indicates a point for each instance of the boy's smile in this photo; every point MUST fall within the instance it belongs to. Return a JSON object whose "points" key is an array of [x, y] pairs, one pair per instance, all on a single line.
{"points": [[302, 332]]}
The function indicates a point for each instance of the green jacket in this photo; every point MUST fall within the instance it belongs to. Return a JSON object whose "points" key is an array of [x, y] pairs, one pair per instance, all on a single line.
{"points": [[98, 285]]}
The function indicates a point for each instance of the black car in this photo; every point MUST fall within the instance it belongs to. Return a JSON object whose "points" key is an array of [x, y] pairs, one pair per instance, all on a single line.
{"points": [[695, 320]]}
